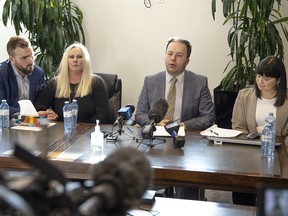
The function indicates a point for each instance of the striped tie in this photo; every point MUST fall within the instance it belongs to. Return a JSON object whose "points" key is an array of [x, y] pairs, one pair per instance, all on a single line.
{"points": [[171, 99]]}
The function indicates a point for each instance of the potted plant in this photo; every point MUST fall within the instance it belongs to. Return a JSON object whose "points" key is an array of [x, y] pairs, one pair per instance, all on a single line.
{"points": [[51, 26], [254, 34]]}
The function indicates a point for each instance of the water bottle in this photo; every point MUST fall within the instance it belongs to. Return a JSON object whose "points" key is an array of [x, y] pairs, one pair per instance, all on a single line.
{"points": [[266, 141], [97, 140], [4, 115], [67, 116], [75, 108], [272, 121]]}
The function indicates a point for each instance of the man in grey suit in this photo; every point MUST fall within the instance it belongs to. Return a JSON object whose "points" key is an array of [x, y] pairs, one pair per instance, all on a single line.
{"points": [[193, 104]]}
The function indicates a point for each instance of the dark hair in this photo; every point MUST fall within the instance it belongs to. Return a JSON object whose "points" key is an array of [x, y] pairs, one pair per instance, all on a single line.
{"points": [[17, 41], [183, 41], [272, 66]]}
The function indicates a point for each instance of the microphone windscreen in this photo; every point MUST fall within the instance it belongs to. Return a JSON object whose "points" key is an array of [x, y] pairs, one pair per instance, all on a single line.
{"points": [[130, 172], [158, 110]]}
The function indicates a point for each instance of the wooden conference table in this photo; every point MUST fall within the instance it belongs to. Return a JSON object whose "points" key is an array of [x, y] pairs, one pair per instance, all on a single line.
{"points": [[200, 163]]}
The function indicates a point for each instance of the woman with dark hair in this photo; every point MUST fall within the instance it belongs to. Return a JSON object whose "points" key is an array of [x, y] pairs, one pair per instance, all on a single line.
{"points": [[254, 104], [269, 95]]}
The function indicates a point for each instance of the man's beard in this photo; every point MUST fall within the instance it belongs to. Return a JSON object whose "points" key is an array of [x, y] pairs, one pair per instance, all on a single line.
{"points": [[25, 70]]}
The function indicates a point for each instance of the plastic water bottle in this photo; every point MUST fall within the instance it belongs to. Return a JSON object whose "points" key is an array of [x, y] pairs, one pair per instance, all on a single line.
{"points": [[67, 116], [272, 121], [97, 140], [4, 115], [266, 141], [75, 108]]}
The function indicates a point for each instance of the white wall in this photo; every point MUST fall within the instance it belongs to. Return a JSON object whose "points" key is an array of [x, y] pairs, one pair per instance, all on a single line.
{"points": [[5, 34], [126, 38], [129, 39]]}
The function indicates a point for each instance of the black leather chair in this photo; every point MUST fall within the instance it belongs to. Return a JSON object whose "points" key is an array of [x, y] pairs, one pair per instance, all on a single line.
{"points": [[114, 88]]}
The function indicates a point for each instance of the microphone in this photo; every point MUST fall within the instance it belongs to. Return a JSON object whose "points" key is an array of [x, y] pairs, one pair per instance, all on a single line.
{"points": [[172, 128], [119, 183], [39, 194], [158, 110], [124, 113], [155, 115]]}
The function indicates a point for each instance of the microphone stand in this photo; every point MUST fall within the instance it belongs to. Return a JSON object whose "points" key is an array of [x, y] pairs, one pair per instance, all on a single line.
{"points": [[120, 130], [147, 133], [151, 143], [113, 137]]}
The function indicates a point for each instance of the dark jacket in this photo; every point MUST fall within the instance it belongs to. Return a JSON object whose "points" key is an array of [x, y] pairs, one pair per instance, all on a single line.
{"points": [[9, 86]]}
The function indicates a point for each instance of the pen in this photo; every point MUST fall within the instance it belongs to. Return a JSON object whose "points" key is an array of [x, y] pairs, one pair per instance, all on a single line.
{"points": [[214, 132], [130, 129]]}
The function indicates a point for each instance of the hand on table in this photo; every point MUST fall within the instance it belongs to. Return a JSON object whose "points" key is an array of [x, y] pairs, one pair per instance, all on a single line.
{"points": [[51, 115], [163, 122], [166, 121]]}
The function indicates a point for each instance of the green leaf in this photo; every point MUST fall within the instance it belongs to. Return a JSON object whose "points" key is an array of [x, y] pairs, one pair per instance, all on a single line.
{"points": [[6, 12], [284, 19], [213, 8], [26, 13]]}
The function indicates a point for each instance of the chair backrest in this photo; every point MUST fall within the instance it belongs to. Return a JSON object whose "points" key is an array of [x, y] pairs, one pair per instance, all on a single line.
{"points": [[114, 88]]}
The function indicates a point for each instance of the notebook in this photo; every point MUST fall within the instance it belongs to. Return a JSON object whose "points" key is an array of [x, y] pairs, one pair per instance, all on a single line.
{"points": [[241, 139], [215, 131]]}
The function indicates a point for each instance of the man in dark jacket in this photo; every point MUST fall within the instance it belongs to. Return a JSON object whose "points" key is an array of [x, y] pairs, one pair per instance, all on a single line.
{"points": [[19, 78]]}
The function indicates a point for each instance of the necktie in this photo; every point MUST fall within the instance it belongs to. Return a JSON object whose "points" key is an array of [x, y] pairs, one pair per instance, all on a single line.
{"points": [[171, 99]]}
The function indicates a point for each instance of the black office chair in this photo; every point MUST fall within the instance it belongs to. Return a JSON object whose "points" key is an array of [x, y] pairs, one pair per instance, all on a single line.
{"points": [[114, 88]]}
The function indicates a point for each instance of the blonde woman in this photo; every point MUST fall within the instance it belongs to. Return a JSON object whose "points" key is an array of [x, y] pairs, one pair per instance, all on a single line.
{"points": [[75, 80]]}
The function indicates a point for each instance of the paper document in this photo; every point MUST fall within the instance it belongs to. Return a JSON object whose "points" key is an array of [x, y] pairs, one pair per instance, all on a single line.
{"points": [[160, 131], [215, 131], [27, 108], [29, 128]]}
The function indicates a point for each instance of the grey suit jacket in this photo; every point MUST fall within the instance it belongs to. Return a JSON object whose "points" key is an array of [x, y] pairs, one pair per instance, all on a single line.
{"points": [[197, 107], [244, 111]]}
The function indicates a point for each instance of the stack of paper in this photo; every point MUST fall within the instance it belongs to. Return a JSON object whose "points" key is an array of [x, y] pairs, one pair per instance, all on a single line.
{"points": [[215, 131], [160, 131]]}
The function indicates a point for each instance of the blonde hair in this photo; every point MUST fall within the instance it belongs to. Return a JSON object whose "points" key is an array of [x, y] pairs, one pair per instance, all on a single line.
{"points": [[62, 79]]}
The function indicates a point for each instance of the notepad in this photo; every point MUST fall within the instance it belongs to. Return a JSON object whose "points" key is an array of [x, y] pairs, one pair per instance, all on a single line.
{"points": [[221, 135], [30, 128], [215, 131], [160, 131]]}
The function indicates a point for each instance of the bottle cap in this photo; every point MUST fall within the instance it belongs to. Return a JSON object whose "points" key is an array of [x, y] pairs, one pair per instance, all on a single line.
{"points": [[97, 127]]}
